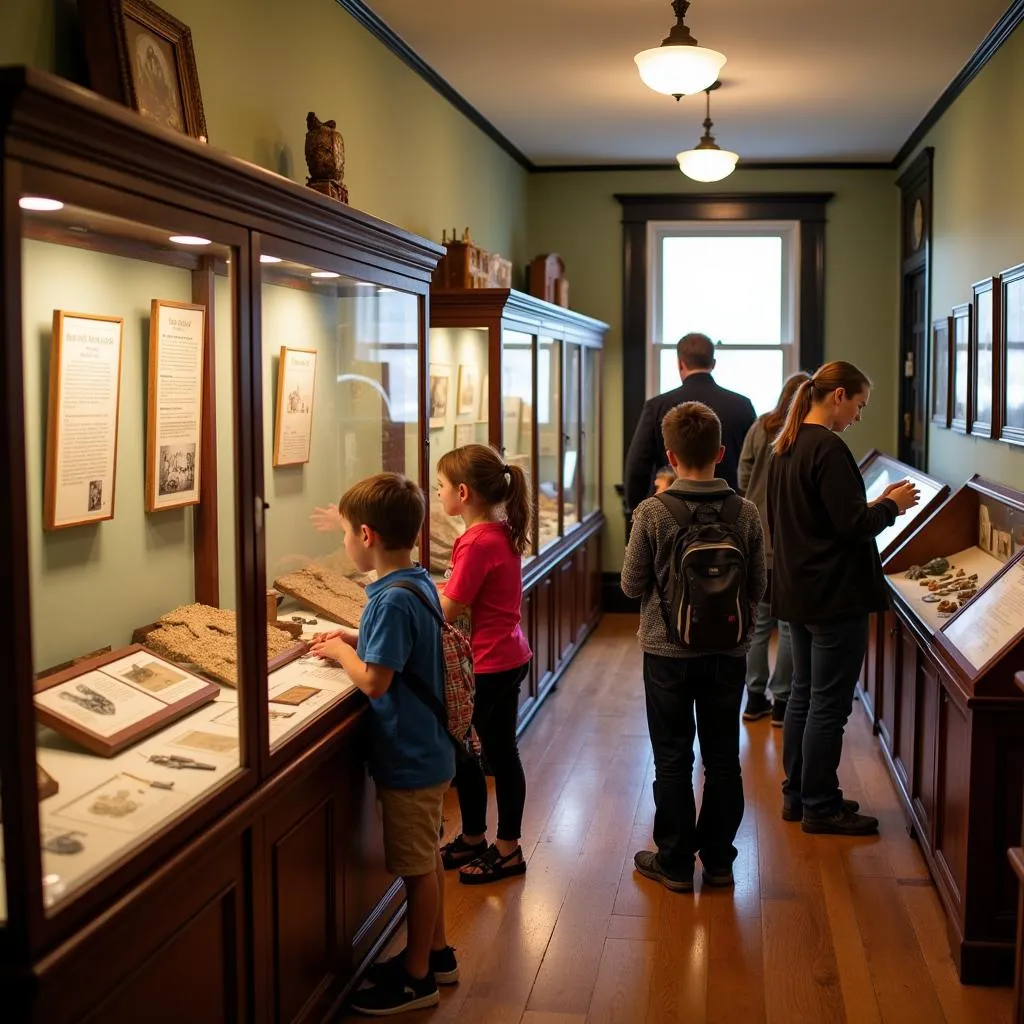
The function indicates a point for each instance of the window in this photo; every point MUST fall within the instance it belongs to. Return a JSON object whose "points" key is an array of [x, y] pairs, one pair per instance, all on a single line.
{"points": [[735, 282]]}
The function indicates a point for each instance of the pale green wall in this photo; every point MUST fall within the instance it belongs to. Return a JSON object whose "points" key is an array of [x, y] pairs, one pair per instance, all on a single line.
{"points": [[978, 228], [577, 216], [412, 159]]}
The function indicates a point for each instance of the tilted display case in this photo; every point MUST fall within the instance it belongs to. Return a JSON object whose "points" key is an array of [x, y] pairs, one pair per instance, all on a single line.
{"points": [[542, 376], [951, 720], [197, 356]]}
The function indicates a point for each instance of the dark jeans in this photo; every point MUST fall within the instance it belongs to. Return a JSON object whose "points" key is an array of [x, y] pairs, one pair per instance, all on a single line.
{"points": [[713, 685], [826, 663], [495, 713]]}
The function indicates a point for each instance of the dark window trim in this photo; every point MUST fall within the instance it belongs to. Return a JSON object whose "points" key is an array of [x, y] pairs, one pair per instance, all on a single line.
{"points": [[637, 210]]}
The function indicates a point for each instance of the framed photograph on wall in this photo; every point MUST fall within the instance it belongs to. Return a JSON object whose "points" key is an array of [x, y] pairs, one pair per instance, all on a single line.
{"points": [[1011, 375], [296, 386], [174, 420], [81, 422], [440, 387], [985, 357], [468, 395], [941, 365], [141, 56], [960, 357], [465, 433]]}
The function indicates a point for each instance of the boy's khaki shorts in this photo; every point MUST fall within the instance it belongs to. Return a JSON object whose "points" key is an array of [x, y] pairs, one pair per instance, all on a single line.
{"points": [[412, 826]]}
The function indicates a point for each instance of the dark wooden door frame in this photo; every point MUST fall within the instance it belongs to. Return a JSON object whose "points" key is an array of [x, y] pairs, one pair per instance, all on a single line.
{"points": [[637, 210]]}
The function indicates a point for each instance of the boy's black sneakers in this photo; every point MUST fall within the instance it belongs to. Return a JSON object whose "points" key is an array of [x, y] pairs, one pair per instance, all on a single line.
{"points": [[843, 823], [795, 812], [396, 994], [648, 865], [778, 713], [443, 966], [758, 705]]}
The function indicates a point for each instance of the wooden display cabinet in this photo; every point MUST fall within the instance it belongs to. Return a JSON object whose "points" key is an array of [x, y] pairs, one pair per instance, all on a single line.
{"points": [[951, 721]]}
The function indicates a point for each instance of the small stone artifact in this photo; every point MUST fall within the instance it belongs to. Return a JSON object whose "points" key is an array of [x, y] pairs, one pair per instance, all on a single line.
{"points": [[325, 158], [65, 843], [118, 805], [90, 700]]}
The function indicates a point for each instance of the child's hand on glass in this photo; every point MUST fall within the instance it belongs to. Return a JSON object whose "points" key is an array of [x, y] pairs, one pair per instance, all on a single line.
{"points": [[330, 645], [326, 519]]}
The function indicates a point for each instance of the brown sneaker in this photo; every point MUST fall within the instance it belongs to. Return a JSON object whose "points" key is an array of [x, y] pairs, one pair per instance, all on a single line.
{"points": [[795, 812], [842, 823], [647, 864]]}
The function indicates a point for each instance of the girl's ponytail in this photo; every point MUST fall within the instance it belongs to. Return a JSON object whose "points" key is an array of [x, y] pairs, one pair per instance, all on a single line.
{"points": [[517, 509]]}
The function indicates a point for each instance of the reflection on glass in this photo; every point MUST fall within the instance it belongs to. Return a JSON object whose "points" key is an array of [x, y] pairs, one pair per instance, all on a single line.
{"points": [[517, 403], [549, 431], [591, 430], [571, 453], [339, 404], [940, 372], [983, 313], [116, 318], [758, 374], [1013, 297], [458, 413], [961, 351]]}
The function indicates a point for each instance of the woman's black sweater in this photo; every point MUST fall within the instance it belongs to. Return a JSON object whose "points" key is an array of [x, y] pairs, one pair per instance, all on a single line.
{"points": [[826, 565]]}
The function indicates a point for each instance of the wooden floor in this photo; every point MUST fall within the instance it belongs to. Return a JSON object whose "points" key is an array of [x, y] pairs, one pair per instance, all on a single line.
{"points": [[817, 930]]}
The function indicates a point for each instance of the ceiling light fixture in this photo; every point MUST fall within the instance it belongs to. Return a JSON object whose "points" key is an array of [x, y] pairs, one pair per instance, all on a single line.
{"points": [[324, 274], [40, 204], [679, 67], [189, 240], [265, 258], [708, 162]]}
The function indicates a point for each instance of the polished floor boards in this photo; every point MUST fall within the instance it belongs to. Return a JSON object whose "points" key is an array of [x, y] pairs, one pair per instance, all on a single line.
{"points": [[817, 930]]}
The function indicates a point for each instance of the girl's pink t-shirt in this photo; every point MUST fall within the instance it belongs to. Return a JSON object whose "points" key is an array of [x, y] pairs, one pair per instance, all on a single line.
{"points": [[487, 576]]}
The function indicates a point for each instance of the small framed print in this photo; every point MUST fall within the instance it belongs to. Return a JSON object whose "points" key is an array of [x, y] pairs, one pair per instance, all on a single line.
{"points": [[986, 359], [174, 422], [296, 385], [82, 418], [465, 433], [440, 386], [960, 358], [1011, 375], [468, 395], [941, 365], [109, 702]]}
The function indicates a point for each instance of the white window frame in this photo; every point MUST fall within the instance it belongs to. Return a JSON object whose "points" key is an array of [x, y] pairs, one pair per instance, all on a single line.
{"points": [[787, 230]]}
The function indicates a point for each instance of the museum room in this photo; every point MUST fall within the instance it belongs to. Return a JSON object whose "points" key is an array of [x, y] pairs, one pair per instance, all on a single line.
{"points": [[513, 514]]}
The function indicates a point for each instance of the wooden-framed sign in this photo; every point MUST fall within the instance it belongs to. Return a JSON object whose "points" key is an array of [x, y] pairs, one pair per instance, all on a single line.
{"points": [[81, 425], [941, 372], [174, 419], [296, 383], [986, 358], [961, 347], [1011, 377], [109, 702]]}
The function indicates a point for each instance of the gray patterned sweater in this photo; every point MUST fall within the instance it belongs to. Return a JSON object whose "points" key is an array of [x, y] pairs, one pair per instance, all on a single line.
{"points": [[649, 551]]}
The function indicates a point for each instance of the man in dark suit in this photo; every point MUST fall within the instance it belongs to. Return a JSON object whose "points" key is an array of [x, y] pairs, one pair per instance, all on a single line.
{"points": [[647, 449]]}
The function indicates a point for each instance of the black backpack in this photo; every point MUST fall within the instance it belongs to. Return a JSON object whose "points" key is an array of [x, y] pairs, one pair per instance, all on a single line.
{"points": [[706, 608]]}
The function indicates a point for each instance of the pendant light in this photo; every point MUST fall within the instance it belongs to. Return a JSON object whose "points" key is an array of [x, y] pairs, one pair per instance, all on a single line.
{"points": [[679, 67], [708, 162]]}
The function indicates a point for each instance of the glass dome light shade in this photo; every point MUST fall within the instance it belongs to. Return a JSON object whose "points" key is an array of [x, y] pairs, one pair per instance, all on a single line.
{"points": [[707, 163], [679, 70]]}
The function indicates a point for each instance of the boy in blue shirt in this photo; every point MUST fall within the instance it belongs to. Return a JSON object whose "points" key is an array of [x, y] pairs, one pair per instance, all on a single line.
{"points": [[412, 757]]}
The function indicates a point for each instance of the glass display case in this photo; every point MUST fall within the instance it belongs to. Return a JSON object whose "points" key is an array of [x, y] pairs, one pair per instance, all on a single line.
{"points": [[550, 443], [590, 431], [517, 402]]}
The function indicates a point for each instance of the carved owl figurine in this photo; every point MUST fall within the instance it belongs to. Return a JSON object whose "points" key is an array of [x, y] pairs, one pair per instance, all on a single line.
{"points": [[325, 149]]}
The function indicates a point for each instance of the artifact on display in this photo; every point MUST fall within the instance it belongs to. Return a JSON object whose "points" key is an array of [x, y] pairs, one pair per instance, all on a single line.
{"points": [[328, 593]]}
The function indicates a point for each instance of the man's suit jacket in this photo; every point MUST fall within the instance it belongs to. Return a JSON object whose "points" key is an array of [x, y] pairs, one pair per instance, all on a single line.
{"points": [[647, 449]]}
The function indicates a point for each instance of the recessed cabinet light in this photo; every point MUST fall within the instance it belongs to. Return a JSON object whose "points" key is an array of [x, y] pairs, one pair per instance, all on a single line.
{"points": [[324, 273], [264, 258], [189, 240], [40, 204]]}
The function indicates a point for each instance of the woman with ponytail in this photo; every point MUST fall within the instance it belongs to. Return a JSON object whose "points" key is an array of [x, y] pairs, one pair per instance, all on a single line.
{"points": [[826, 580], [486, 578]]}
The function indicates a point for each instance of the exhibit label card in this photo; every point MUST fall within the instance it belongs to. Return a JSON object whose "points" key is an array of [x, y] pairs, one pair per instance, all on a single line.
{"points": [[992, 620], [81, 441], [296, 379], [177, 335]]}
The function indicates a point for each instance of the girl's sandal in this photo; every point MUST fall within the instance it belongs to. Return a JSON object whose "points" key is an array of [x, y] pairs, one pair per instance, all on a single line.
{"points": [[458, 852], [492, 867]]}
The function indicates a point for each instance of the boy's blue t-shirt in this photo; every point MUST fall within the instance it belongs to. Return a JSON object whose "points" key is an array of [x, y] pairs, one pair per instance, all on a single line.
{"points": [[410, 750]]}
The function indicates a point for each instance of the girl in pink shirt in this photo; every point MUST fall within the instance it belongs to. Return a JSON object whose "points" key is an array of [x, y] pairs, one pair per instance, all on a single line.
{"points": [[486, 577]]}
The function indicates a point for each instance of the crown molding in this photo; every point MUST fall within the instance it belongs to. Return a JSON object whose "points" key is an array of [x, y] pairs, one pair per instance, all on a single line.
{"points": [[763, 165]]}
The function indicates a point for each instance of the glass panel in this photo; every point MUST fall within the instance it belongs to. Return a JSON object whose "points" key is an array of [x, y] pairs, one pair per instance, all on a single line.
{"points": [[1013, 297], [339, 405], [134, 634], [517, 403], [571, 453], [549, 429], [703, 279], [591, 430], [757, 373], [983, 318], [459, 382]]}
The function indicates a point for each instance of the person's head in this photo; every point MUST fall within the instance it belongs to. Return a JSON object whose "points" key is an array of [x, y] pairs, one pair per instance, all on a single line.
{"points": [[664, 479], [774, 420], [380, 514], [836, 395], [693, 439], [696, 354], [476, 477]]}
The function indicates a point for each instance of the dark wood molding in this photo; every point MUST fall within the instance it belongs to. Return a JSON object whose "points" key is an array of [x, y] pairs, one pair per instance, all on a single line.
{"points": [[401, 49]]}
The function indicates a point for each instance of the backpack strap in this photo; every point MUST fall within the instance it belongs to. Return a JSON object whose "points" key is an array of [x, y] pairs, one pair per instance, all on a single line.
{"points": [[731, 508], [677, 508]]}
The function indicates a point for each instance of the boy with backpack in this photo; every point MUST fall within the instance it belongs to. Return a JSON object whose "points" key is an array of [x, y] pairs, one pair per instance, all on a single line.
{"points": [[398, 662], [695, 557]]}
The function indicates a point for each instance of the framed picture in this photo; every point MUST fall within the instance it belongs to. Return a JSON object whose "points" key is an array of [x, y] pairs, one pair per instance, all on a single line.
{"points": [[962, 365], [512, 417], [941, 365], [296, 386], [81, 431], [986, 359], [109, 702], [440, 386], [174, 421], [485, 410], [141, 56], [465, 433], [468, 395], [1011, 375]]}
